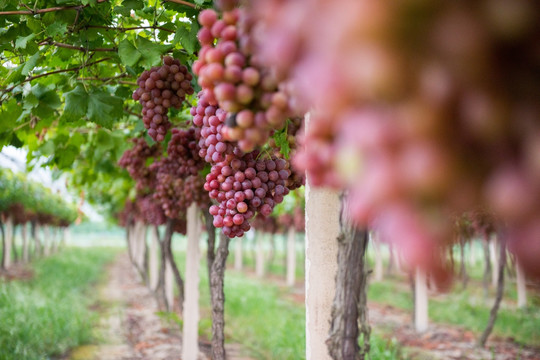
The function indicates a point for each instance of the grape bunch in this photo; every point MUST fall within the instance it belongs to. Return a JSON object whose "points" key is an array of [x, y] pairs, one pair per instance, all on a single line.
{"points": [[251, 100], [150, 211], [211, 119], [243, 184], [433, 111], [134, 161], [183, 148], [244, 187], [159, 89]]}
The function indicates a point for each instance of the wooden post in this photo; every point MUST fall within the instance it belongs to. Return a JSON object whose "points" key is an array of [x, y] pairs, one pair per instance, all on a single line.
{"points": [[154, 260], [420, 301], [291, 256], [259, 260], [190, 342], [521, 286], [322, 230], [238, 260]]}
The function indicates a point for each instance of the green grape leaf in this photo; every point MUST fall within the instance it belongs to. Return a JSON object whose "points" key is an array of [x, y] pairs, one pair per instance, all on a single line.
{"points": [[133, 4], [56, 28], [185, 38], [151, 52], [30, 64], [22, 41], [76, 103], [128, 53], [104, 109], [282, 142]]}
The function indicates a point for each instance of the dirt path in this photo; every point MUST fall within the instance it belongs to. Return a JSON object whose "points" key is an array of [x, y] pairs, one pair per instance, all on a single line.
{"points": [[130, 328], [441, 341]]}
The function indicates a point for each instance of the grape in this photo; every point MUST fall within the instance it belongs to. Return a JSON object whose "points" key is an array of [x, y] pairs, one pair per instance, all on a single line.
{"points": [[240, 85], [159, 89], [415, 139]]}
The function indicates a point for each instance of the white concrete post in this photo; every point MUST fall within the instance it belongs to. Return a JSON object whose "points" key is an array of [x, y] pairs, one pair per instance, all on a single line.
{"points": [[521, 287], [46, 240], [291, 256], [421, 301], [238, 260], [494, 261], [9, 242], [379, 269], [472, 254], [322, 230], [153, 261], [24, 236], [169, 285], [190, 342], [259, 260]]}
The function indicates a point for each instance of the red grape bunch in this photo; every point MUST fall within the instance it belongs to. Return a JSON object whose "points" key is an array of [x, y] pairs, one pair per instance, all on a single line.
{"points": [[253, 104], [134, 161], [430, 110], [243, 187], [159, 89]]}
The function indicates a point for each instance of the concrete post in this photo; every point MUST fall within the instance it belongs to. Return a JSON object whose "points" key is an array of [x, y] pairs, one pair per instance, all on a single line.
{"points": [[46, 240], [291, 256], [259, 261], [421, 301], [379, 268], [24, 235], [494, 261], [521, 287], [322, 230], [238, 256], [190, 342], [153, 260], [9, 242]]}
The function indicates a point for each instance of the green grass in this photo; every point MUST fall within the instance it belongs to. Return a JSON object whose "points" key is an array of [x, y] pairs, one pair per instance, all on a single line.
{"points": [[260, 316], [467, 309], [49, 314]]}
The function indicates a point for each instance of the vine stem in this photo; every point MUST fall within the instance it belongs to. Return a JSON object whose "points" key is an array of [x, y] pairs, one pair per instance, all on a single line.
{"points": [[182, 2], [124, 29], [54, 72], [47, 10], [80, 48]]}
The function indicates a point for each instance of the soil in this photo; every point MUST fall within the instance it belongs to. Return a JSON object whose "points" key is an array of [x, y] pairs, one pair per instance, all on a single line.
{"points": [[131, 327], [440, 341]]}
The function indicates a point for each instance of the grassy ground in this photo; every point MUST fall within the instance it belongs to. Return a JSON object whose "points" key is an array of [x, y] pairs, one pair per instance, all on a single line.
{"points": [[467, 308], [49, 314], [261, 318]]}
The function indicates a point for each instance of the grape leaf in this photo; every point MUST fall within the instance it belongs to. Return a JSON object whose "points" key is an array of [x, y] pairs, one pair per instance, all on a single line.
{"points": [[183, 35], [76, 103], [30, 64], [56, 28], [104, 109], [128, 53], [282, 142], [22, 41]]}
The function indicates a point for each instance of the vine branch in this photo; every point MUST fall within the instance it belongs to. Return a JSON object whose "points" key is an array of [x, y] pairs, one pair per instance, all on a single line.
{"points": [[182, 2], [80, 48], [55, 72], [47, 10]]}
